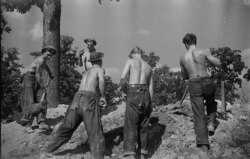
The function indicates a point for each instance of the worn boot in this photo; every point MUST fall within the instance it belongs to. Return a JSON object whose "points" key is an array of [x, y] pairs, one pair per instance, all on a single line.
{"points": [[210, 128]]}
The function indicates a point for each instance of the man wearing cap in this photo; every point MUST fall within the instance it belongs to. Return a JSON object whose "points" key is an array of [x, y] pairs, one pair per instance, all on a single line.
{"points": [[85, 107], [84, 56], [201, 87], [138, 105], [32, 83]]}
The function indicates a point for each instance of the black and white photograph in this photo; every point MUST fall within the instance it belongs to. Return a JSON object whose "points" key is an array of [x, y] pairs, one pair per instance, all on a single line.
{"points": [[125, 79]]}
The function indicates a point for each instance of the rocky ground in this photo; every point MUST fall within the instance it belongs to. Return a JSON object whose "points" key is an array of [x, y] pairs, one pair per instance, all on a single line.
{"points": [[171, 135]]}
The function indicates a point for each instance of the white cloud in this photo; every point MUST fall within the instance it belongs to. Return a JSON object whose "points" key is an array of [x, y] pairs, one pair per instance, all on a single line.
{"points": [[246, 2], [245, 56], [37, 31], [143, 32], [13, 15], [175, 69], [24, 70]]}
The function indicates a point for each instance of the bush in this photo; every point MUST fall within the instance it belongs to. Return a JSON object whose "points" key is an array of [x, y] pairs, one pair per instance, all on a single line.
{"points": [[10, 81]]}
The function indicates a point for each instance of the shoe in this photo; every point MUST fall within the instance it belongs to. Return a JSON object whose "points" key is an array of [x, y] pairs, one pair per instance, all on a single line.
{"points": [[43, 126], [204, 148], [210, 128]]}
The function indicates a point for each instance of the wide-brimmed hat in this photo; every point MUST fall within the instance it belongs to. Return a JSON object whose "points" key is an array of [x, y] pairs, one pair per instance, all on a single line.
{"points": [[49, 48], [90, 40], [95, 56]]}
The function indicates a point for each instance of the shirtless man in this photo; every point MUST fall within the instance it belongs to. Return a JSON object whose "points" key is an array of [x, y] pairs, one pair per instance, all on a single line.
{"points": [[31, 84], [85, 108], [84, 56], [139, 107], [201, 87]]}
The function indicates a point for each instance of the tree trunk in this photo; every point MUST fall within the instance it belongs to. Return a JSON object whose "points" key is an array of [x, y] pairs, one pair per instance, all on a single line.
{"points": [[51, 36]]}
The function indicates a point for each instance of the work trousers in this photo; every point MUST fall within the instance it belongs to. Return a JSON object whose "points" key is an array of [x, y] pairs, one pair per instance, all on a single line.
{"points": [[31, 92], [83, 108], [201, 89], [137, 115]]}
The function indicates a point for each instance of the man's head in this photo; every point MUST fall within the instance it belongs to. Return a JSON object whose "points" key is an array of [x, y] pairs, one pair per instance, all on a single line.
{"points": [[189, 39], [90, 44], [134, 51], [49, 51], [96, 58]]}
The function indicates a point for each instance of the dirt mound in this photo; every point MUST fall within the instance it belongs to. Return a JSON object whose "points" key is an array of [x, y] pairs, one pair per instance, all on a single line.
{"points": [[171, 135]]}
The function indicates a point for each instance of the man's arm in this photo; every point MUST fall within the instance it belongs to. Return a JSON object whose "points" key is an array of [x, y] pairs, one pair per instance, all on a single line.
{"points": [[38, 77], [183, 71], [80, 63], [101, 81], [213, 60], [49, 71], [151, 84], [126, 69], [124, 77]]}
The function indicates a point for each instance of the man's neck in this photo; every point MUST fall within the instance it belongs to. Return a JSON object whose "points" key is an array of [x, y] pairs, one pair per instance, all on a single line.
{"points": [[191, 48], [96, 66]]}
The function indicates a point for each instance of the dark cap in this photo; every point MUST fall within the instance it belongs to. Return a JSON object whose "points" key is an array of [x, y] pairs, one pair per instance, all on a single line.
{"points": [[49, 48], [90, 40], [96, 56]]}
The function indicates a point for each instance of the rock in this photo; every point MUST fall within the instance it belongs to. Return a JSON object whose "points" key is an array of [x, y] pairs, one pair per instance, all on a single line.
{"points": [[243, 118]]}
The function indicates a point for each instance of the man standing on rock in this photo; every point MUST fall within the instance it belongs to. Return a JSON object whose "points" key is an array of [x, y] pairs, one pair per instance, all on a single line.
{"points": [[201, 87], [84, 56], [85, 107], [139, 107]]}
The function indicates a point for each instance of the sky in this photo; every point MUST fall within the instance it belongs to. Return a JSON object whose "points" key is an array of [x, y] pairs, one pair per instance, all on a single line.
{"points": [[154, 25]]}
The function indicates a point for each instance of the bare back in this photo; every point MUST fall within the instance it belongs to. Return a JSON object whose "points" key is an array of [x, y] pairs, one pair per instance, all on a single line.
{"points": [[139, 72], [193, 63], [90, 79]]}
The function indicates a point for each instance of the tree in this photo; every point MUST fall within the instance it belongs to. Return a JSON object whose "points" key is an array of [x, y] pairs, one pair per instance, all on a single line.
{"points": [[168, 86], [10, 81], [69, 77], [152, 59], [247, 75], [4, 27], [111, 93], [230, 71], [51, 30]]}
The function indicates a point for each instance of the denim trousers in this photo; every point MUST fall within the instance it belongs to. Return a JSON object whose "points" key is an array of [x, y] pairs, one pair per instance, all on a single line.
{"points": [[201, 89], [31, 94], [137, 115], [83, 108]]}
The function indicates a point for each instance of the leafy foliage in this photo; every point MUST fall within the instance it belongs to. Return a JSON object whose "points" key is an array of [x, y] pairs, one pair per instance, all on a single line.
{"points": [[151, 59], [21, 6], [10, 80], [247, 75], [111, 93], [231, 67], [69, 77], [168, 86], [4, 27]]}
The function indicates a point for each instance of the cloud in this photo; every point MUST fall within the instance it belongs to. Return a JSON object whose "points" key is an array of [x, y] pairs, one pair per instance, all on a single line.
{"points": [[37, 31], [175, 69], [24, 70], [13, 15], [246, 2], [245, 56], [143, 32]]}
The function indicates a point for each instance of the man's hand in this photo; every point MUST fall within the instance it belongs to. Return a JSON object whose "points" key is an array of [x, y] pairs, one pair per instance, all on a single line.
{"points": [[103, 102]]}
